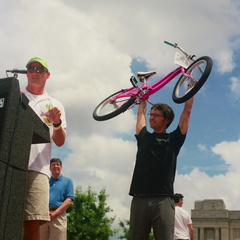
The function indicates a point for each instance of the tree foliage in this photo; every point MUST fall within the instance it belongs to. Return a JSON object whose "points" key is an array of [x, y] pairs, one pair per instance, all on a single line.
{"points": [[124, 225], [87, 217]]}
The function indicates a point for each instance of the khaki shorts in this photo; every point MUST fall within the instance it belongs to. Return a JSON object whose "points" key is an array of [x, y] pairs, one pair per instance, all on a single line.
{"points": [[37, 197], [56, 229]]}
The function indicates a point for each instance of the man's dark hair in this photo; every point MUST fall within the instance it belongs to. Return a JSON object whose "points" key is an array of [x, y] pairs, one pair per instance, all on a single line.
{"points": [[178, 197], [56, 160], [166, 110]]}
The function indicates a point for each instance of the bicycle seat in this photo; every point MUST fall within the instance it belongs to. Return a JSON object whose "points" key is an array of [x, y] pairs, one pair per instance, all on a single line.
{"points": [[145, 75]]}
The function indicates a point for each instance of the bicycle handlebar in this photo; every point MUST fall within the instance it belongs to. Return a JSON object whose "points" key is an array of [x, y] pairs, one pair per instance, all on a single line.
{"points": [[171, 44], [175, 45]]}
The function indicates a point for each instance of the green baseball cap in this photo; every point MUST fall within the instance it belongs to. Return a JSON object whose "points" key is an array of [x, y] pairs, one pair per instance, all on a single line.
{"points": [[41, 60]]}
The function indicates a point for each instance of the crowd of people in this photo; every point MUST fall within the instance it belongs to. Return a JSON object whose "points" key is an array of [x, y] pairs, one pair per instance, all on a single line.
{"points": [[154, 205]]}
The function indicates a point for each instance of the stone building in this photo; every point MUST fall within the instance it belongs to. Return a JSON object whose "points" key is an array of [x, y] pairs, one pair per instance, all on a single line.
{"points": [[212, 221]]}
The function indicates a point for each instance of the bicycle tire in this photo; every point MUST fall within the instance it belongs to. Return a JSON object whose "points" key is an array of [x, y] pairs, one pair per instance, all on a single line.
{"points": [[200, 70], [107, 109]]}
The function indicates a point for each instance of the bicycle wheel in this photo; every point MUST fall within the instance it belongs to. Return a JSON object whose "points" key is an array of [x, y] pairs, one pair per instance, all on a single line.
{"points": [[108, 109], [197, 74]]}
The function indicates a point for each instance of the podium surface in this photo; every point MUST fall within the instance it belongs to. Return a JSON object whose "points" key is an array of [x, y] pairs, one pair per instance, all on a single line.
{"points": [[19, 128]]}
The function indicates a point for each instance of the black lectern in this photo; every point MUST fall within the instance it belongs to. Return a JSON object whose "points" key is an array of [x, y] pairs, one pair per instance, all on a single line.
{"points": [[19, 128]]}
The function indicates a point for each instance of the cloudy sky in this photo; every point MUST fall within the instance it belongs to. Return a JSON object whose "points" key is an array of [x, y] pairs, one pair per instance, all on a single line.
{"points": [[93, 47]]}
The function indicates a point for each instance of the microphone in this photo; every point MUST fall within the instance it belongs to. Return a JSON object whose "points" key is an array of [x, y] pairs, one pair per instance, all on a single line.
{"points": [[17, 71]]}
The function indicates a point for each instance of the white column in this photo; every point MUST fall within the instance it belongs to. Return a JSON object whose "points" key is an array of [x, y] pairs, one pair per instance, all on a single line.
{"points": [[216, 234], [201, 233], [231, 233], [195, 232]]}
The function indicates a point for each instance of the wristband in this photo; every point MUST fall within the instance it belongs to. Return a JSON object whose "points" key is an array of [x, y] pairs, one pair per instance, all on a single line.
{"points": [[58, 124], [56, 128]]}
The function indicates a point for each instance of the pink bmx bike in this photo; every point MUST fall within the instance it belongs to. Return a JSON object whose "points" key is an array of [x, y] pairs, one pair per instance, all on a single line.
{"points": [[193, 74]]}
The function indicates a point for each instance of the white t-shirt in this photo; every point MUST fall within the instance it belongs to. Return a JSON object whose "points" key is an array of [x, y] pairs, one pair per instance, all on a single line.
{"points": [[182, 220], [40, 154]]}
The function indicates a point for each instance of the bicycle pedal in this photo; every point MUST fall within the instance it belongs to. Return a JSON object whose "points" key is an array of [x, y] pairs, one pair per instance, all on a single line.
{"points": [[134, 81]]}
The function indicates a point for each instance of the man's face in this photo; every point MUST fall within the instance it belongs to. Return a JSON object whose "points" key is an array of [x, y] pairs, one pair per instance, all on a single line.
{"points": [[55, 168], [35, 78], [157, 119], [180, 202]]}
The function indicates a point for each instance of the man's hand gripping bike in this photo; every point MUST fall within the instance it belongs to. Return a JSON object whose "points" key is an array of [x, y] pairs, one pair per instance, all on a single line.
{"points": [[192, 78]]}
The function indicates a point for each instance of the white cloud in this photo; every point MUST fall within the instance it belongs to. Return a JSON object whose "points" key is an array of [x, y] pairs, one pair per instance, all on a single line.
{"points": [[202, 147], [229, 152], [225, 60], [199, 186], [103, 162], [235, 87]]}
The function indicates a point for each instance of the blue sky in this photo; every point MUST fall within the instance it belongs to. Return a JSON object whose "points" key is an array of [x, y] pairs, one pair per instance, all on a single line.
{"points": [[93, 47]]}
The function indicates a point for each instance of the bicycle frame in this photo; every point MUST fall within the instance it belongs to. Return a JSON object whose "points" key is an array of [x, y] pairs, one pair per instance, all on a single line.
{"points": [[146, 90]]}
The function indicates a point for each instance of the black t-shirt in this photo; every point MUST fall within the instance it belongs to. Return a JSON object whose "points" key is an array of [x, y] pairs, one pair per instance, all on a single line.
{"points": [[155, 166]]}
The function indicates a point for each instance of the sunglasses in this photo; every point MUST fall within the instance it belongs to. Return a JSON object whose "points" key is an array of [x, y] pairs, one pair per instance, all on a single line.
{"points": [[38, 70]]}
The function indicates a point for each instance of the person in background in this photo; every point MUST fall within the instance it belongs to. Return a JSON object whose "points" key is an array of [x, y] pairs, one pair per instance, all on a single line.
{"points": [[51, 112], [152, 204], [183, 223], [61, 197]]}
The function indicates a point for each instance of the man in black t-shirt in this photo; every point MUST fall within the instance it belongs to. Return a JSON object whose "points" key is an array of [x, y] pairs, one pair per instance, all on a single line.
{"points": [[153, 177]]}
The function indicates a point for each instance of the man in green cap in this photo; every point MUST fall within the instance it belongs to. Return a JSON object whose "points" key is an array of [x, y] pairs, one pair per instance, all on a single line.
{"points": [[51, 111]]}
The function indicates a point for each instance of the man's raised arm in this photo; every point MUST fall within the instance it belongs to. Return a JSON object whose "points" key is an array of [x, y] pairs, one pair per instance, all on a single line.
{"points": [[185, 116], [141, 116]]}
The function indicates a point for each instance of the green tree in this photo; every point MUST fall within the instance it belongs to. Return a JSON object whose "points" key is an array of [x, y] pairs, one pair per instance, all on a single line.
{"points": [[87, 217], [124, 225]]}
